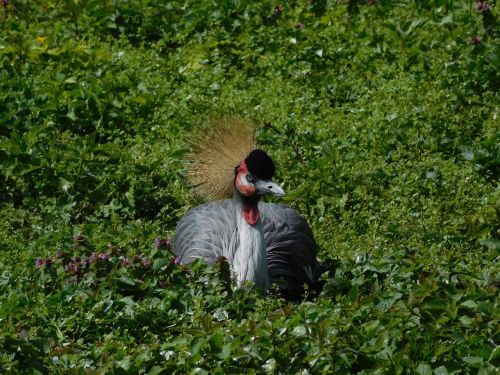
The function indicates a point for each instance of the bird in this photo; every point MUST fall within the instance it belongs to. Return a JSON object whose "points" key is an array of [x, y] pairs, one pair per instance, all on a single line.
{"points": [[264, 243]]}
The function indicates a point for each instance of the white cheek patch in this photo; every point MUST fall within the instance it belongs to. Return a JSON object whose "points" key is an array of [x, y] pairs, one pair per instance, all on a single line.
{"points": [[246, 188]]}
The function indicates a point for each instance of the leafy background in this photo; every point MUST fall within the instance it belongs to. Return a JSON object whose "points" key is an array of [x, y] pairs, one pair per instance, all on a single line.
{"points": [[382, 117]]}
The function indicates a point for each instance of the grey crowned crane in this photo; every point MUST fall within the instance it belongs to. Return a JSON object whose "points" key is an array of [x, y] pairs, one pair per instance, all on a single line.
{"points": [[264, 243]]}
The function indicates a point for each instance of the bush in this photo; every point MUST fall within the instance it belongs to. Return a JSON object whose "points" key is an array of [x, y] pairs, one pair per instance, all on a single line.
{"points": [[382, 117]]}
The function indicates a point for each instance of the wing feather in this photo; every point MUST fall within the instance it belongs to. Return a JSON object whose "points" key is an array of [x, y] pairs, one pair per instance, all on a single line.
{"points": [[291, 248], [207, 231]]}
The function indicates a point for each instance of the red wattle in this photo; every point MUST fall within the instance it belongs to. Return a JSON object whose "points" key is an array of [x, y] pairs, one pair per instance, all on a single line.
{"points": [[251, 214]]}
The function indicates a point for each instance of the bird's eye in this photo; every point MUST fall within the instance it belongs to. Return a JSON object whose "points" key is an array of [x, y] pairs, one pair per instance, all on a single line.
{"points": [[250, 178]]}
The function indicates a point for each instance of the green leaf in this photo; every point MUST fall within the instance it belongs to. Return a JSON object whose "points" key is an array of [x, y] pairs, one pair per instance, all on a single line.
{"points": [[125, 363], [424, 369], [491, 243], [473, 361], [71, 114], [495, 354], [469, 304], [441, 371], [447, 19], [465, 320], [299, 331], [226, 351], [159, 263], [195, 345], [126, 280]]}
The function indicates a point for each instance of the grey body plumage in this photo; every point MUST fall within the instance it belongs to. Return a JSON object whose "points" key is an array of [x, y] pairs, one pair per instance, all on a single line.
{"points": [[210, 231]]}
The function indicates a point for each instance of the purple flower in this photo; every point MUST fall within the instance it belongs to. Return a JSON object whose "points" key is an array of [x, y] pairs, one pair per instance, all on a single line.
{"points": [[61, 254], [5, 2], [92, 258], [177, 260], [113, 250], [43, 262], [146, 262], [103, 256], [158, 242], [298, 26], [163, 284], [278, 9], [125, 262], [475, 40], [72, 268], [483, 6]]}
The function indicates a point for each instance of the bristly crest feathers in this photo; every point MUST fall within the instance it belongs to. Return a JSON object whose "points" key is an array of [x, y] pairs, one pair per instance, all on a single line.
{"points": [[216, 151]]}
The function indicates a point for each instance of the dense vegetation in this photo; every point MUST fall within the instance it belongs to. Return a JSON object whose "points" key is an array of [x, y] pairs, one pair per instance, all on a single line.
{"points": [[383, 117]]}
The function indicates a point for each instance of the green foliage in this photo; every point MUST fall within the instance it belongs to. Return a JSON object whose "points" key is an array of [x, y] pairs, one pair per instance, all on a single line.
{"points": [[383, 118]]}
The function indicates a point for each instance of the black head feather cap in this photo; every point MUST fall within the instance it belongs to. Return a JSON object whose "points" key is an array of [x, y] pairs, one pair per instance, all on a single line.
{"points": [[260, 164]]}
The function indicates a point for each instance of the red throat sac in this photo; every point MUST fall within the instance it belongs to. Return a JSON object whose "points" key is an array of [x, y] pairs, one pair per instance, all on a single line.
{"points": [[251, 213]]}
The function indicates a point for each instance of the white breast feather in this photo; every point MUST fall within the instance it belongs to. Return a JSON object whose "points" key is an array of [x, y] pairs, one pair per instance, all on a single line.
{"points": [[250, 260]]}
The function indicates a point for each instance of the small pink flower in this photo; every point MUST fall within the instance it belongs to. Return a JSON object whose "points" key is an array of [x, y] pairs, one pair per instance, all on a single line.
{"points": [[78, 238], [103, 256], [45, 262], [113, 250], [146, 262], [158, 242], [278, 9], [162, 284], [483, 6], [72, 268], [61, 254], [475, 40], [125, 262], [177, 260]]}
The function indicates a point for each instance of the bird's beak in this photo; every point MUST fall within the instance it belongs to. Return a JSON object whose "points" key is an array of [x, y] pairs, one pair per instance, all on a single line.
{"points": [[268, 187]]}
